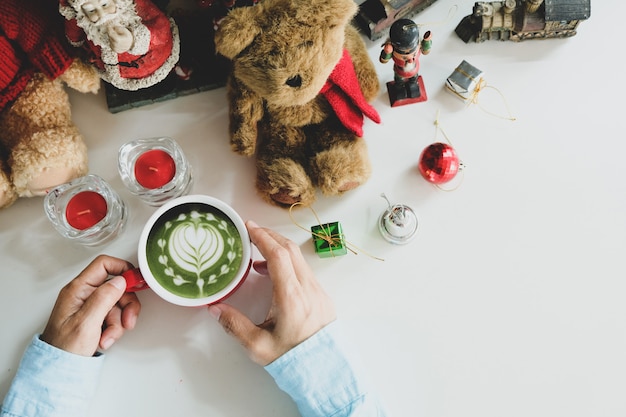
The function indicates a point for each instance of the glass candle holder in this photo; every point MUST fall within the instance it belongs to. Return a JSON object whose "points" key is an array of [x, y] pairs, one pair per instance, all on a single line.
{"points": [[154, 169], [86, 210]]}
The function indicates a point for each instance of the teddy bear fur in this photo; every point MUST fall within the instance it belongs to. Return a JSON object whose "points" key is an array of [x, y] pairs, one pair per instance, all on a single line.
{"points": [[282, 52], [40, 145]]}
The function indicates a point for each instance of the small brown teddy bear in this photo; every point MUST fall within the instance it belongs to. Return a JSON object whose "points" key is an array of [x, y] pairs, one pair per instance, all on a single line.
{"points": [[298, 92], [40, 147]]}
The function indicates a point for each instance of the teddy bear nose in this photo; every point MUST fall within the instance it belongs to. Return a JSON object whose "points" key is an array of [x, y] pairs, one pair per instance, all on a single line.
{"points": [[295, 81]]}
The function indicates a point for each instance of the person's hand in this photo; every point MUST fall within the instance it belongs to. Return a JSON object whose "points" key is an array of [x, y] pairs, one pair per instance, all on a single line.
{"points": [[93, 311], [121, 38], [299, 306]]}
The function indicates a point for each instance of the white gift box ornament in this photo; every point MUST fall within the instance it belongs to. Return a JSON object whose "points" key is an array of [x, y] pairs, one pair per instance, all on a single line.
{"points": [[465, 82]]}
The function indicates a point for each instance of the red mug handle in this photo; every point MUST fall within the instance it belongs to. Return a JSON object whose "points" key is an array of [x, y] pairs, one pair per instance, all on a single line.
{"points": [[134, 280]]}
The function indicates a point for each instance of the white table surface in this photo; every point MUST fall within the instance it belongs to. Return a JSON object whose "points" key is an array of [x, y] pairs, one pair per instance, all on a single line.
{"points": [[509, 302]]}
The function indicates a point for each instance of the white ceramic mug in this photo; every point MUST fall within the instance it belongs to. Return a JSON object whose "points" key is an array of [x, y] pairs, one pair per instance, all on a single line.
{"points": [[194, 250]]}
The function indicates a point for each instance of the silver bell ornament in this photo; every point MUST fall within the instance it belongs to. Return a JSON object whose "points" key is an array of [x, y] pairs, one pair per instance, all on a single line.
{"points": [[398, 224]]}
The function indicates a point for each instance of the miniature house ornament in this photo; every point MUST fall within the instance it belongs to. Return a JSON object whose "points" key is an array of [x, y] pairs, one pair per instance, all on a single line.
{"points": [[376, 16]]}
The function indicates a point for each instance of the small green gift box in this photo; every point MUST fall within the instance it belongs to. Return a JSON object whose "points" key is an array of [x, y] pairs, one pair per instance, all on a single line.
{"points": [[328, 240]]}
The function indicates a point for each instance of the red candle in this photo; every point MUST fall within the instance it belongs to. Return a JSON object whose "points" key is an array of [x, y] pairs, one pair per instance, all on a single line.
{"points": [[154, 169], [85, 209]]}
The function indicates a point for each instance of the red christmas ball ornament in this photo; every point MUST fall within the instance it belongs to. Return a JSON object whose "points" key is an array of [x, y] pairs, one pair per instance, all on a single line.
{"points": [[439, 163]]}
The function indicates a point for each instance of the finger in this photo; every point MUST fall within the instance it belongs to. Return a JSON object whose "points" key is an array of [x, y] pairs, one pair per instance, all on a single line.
{"points": [[266, 234], [122, 317], [278, 259], [260, 267], [269, 243], [235, 323], [299, 264], [285, 263], [101, 268], [113, 329], [96, 308], [131, 307]]}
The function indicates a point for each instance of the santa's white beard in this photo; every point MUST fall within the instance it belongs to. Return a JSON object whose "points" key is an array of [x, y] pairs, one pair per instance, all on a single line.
{"points": [[98, 32]]}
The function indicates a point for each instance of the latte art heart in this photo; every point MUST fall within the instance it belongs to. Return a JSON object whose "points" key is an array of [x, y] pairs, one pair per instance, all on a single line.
{"points": [[196, 247], [195, 251]]}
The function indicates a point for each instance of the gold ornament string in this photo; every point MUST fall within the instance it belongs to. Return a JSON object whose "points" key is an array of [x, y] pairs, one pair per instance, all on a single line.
{"points": [[473, 99], [461, 165], [333, 240], [451, 12], [483, 85]]}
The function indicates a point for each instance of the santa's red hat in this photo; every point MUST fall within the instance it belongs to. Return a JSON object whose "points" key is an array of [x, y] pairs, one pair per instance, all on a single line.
{"points": [[71, 3], [68, 8]]}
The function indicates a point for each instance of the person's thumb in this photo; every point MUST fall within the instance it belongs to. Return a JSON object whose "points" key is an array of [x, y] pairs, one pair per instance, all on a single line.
{"points": [[103, 299], [235, 323]]}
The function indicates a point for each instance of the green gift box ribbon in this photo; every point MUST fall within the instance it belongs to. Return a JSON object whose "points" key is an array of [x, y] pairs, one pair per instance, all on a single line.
{"points": [[329, 240]]}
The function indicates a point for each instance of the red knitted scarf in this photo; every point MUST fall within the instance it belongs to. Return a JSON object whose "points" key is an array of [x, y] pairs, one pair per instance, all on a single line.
{"points": [[343, 92], [31, 39]]}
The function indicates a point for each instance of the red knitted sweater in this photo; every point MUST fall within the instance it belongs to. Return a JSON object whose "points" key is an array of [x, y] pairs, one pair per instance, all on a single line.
{"points": [[32, 39]]}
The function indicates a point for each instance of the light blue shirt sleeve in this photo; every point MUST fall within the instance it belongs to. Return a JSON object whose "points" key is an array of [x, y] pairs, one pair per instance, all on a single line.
{"points": [[52, 383], [323, 376]]}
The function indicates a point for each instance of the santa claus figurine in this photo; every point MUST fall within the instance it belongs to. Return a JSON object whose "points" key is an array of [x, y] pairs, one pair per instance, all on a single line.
{"points": [[132, 43]]}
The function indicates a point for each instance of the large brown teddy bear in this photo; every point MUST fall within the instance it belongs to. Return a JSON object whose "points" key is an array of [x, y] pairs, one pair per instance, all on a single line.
{"points": [[40, 147], [299, 87]]}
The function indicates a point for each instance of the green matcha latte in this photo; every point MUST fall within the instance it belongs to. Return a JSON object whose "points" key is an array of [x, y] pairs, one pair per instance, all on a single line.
{"points": [[194, 250]]}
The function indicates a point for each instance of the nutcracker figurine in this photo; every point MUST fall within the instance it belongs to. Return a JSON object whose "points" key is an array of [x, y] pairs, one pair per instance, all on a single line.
{"points": [[405, 48]]}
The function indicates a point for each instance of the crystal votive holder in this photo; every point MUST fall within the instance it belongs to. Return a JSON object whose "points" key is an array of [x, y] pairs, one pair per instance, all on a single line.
{"points": [[86, 210], [154, 169]]}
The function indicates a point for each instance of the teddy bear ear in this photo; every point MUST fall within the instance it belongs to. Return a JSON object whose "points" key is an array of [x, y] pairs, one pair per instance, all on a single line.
{"points": [[237, 30]]}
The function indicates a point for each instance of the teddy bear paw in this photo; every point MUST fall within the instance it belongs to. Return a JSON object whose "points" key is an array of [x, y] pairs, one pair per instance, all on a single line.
{"points": [[284, 182], [48, 158], [284, 198], [40, 184], [7, 192], [348, 185], [336, 188], [82, 77]]}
